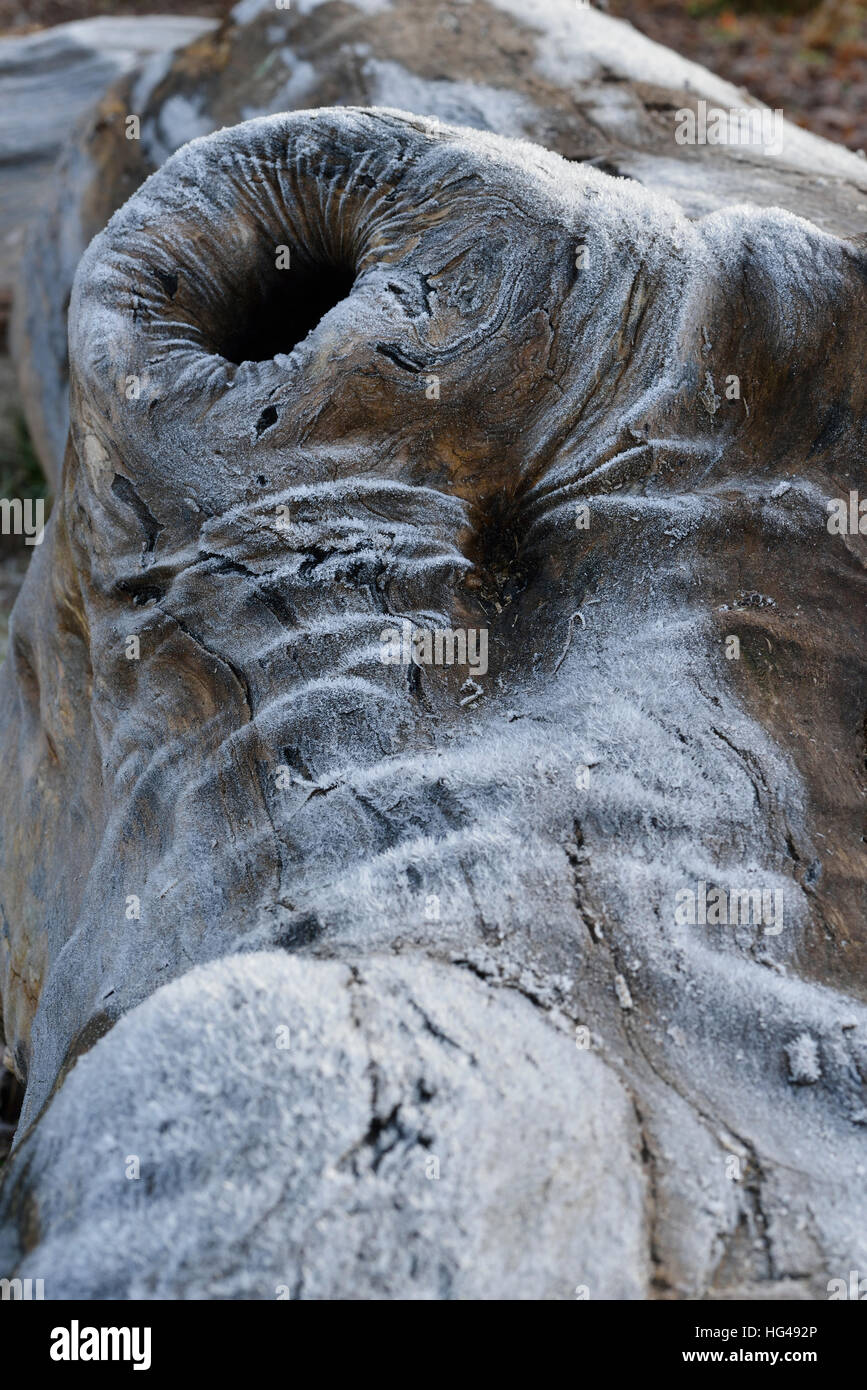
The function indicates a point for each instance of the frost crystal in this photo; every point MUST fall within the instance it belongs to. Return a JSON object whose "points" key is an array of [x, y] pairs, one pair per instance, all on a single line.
{"points": [[804, 1066]]}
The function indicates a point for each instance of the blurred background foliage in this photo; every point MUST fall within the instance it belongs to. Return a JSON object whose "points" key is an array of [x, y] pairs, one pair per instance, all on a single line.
{"points": [[808, 58]]}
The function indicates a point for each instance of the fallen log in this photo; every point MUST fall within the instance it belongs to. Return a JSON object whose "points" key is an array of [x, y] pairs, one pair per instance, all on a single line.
{"points": [[586, 927]]}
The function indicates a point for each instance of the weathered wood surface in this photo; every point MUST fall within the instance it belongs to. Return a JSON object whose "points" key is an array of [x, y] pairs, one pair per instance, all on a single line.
{"points": [[705, 1141], [560, 74], [435, 887]]}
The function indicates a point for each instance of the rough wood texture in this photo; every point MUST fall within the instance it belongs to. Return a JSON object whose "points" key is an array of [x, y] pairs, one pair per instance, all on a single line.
{"points": [[567, 77], [723, 1081]]}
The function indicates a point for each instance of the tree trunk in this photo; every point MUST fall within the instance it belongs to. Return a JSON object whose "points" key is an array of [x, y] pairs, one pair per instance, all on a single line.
{"points": [[434, 736]]}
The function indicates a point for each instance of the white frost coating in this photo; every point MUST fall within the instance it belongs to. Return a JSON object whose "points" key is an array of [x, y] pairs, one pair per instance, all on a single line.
{"points": [[300, 82], [153, 72], [302, 78], [126, 39], [180, 121], [621, 989], [251, 9], [805, 1068], [360, 1142], [48, 79], [576, 41], [489, 108], [673, 795]]}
